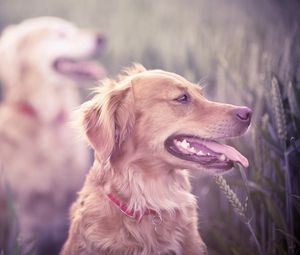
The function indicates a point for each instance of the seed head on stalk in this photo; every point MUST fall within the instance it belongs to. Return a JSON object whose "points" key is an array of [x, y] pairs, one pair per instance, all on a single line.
{"points": [[278, 111]]}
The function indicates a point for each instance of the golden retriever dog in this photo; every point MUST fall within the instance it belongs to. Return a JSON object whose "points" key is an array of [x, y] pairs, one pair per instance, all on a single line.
{"points": [[146, 128], [43, 161]]}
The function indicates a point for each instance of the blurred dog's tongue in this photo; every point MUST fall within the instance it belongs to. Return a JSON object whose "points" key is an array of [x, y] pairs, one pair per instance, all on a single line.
{"points": [[85, 69], [228, 151]]}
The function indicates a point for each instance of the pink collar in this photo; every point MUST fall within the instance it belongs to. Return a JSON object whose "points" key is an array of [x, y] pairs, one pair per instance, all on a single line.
{"points": [[137, 215], [25, 108]]}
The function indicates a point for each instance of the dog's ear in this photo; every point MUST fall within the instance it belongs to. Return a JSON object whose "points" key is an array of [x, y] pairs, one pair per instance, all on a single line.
{"points": [[13, 42], [8, 51], [108, 118]]}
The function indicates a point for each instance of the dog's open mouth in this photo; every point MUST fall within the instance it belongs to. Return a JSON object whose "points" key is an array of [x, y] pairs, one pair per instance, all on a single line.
{"points": [[208, 153], [79, 69]]}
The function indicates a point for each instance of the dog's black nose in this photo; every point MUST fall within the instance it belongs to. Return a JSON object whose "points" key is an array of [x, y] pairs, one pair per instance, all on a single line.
{"points": [[100, 40], [243, 114]]}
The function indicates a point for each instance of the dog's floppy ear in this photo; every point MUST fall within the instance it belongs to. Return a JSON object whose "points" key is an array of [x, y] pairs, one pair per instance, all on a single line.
{"points": [[9, 67], [108, 118]]}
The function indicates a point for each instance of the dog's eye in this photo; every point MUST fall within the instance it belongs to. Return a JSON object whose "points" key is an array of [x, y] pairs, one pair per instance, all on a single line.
{"points": [[183, 99]]}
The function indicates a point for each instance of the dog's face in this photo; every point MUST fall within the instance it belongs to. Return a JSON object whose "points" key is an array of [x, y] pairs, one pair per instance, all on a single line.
{"points": [[51, 48], [163, 117]]}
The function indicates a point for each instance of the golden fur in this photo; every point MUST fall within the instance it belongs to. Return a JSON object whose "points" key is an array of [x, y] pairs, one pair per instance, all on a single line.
{"points": [[127, 123], [43, 160]]}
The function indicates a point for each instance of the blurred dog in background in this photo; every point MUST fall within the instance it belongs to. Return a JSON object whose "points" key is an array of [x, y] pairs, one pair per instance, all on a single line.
{"points": [[44, 162]]}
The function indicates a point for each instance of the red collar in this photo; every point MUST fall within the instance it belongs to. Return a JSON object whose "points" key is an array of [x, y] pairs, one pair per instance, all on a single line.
{"points": [[137, 215], [27, 109]]}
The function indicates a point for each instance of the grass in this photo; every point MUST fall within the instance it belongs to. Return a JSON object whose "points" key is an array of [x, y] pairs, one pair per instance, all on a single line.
{"points": [[274, 148], [239, 209], [10, 243], [249, 54]]}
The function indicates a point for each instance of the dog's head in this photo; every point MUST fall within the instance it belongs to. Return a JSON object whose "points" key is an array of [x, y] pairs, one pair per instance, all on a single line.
{"points": [[49, 48], [162, 117]]}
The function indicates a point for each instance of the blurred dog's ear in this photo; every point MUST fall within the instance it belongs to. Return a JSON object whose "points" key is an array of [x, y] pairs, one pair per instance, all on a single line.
{"points": [[9, 66], [13, 42], [108, 118]]}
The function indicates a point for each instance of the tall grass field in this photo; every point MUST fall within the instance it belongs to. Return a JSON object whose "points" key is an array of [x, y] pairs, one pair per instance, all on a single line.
{"points": [[242, 52]]}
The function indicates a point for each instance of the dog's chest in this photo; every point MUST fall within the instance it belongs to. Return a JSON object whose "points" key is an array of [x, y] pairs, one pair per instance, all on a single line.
{"points": [[36, 153], [166, 233], [35, 139], [151, 236]]}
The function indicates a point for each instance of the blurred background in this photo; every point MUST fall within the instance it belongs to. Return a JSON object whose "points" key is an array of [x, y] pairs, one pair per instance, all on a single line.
{"points": [[244, 52]]}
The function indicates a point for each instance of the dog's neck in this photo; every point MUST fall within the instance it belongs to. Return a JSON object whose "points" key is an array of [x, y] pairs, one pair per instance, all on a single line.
{"points": [[145, 185], [46, 103], [24, 108], [134, 214]]}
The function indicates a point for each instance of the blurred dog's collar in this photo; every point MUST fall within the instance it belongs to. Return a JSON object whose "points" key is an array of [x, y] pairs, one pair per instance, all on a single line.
{"points": [[27, 109], [137, 215]]}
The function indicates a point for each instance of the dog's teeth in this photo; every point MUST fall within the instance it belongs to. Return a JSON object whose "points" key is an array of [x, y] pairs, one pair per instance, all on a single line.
{"points": [[222, 157], [200, 153], [208, 154], [177, 142], [192, 149], [185, 144]]}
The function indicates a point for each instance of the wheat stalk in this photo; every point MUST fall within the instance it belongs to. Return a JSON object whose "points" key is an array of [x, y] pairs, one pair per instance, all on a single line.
{"points": [[230, 195], [280, 122], [294, 107], [292, 100], [237, 205], [279, 115]]}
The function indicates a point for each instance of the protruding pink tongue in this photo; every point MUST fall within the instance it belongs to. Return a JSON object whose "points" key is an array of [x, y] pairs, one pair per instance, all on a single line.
{"points": [[81, 68], [228, 151]]}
